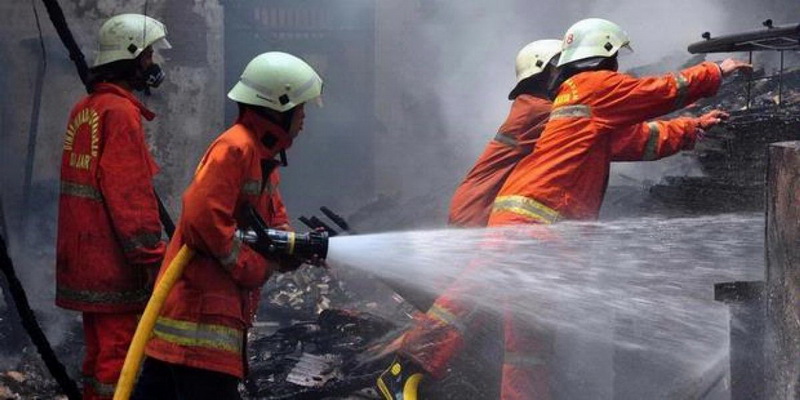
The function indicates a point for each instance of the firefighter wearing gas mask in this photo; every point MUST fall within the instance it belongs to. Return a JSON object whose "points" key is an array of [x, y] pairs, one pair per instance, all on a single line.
{"points": [[109, 234], [197, 350]]}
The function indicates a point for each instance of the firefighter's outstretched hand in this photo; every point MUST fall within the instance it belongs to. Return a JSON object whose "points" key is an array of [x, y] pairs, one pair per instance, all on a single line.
{"points": [[708, 121], [712, 118], [730, 65]]}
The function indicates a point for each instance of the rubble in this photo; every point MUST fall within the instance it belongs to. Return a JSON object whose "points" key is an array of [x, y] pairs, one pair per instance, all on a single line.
{"points": [[319, 358], [29, 380]]}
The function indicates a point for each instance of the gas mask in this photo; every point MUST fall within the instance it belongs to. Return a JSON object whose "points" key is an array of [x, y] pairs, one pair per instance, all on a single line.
{"points": [[153, 75]]}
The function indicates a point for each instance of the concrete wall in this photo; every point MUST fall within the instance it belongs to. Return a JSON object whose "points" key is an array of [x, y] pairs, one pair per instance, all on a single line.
{"points": [[188, 105]]}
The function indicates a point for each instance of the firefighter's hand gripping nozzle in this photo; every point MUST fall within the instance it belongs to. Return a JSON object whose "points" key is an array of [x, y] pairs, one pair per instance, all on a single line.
{"points": [[311, 247]]}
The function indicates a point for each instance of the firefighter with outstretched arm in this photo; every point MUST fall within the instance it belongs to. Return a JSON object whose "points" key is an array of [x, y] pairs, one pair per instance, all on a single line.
{"points": [[433, 341]]}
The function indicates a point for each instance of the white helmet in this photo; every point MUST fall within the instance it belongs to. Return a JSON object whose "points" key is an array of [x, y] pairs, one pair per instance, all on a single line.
{"points": [[125, 36], [278, 81], [592, 37], [533, 59]]}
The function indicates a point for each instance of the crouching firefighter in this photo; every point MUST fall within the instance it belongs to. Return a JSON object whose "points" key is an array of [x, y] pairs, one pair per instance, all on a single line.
{"points": [[198, 348], [109, 235]]}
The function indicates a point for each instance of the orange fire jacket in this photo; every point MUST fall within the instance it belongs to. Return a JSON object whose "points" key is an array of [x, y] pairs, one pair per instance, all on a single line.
{"points": [[207, 313], [567, 174], [108, 225], [515, 139]]}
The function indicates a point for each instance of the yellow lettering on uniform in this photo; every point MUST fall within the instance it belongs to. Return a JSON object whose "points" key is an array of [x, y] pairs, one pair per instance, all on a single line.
{"points": [[80, 161], [562, 99], [571, 95], [85, 161]]}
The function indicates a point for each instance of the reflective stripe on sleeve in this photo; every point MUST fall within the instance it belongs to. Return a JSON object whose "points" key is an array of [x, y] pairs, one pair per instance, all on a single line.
{"points": [[576, 111], [269, 188], [526, 207], [185, 333], [228, 261], [505, 139], [144, 240], [682, 85], [651, 148], [80, 190], [252, 187]]}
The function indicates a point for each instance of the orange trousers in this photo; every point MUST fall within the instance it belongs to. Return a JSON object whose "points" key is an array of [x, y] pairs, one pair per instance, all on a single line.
{"points": [[438, 336], [107, 337]]}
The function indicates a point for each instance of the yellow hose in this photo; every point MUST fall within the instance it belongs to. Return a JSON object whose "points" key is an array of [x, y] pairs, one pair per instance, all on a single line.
{"points": [[130, 370]]}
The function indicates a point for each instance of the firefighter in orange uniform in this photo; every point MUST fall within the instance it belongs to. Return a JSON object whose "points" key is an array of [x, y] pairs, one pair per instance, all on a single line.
{"points": [[515, 139], [109, 232], [566, 175], [437, 337], [198, 346]]}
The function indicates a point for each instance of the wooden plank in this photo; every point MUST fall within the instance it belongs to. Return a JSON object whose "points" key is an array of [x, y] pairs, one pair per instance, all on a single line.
{"points": [[783, 271]]}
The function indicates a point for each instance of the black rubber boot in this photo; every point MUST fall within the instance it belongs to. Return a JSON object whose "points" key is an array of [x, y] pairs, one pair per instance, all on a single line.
{"points": [[401, 380]]}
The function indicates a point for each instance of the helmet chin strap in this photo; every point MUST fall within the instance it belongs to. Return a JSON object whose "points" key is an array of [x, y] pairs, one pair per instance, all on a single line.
{"points": [[279, 142]]}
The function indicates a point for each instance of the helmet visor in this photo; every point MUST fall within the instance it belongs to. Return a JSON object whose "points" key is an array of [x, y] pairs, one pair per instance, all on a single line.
{"points": [[161, 44], [625, 50]]}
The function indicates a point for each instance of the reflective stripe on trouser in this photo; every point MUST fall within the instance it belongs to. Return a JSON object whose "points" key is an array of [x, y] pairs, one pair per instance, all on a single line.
{"points": [[527, 208], [438, 336], [526, 375], [92, 388], [211, 336], [107, 337]]}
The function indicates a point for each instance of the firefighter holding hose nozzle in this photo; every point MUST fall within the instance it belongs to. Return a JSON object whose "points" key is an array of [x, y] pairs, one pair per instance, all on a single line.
{"points": [[236, 224]]}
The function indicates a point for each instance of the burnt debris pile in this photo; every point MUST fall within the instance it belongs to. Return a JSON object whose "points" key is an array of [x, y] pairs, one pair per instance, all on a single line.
{"points": [[318, 358], [733, 155], [764, 107]]}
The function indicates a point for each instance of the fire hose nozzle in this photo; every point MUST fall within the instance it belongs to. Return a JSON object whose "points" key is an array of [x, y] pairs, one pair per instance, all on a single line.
{"points": [[305, 246], [302, 245]]}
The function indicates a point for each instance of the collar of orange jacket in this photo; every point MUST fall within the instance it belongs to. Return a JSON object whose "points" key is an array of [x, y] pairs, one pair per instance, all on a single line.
{"points": [[261, 127], [106, 87]]}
